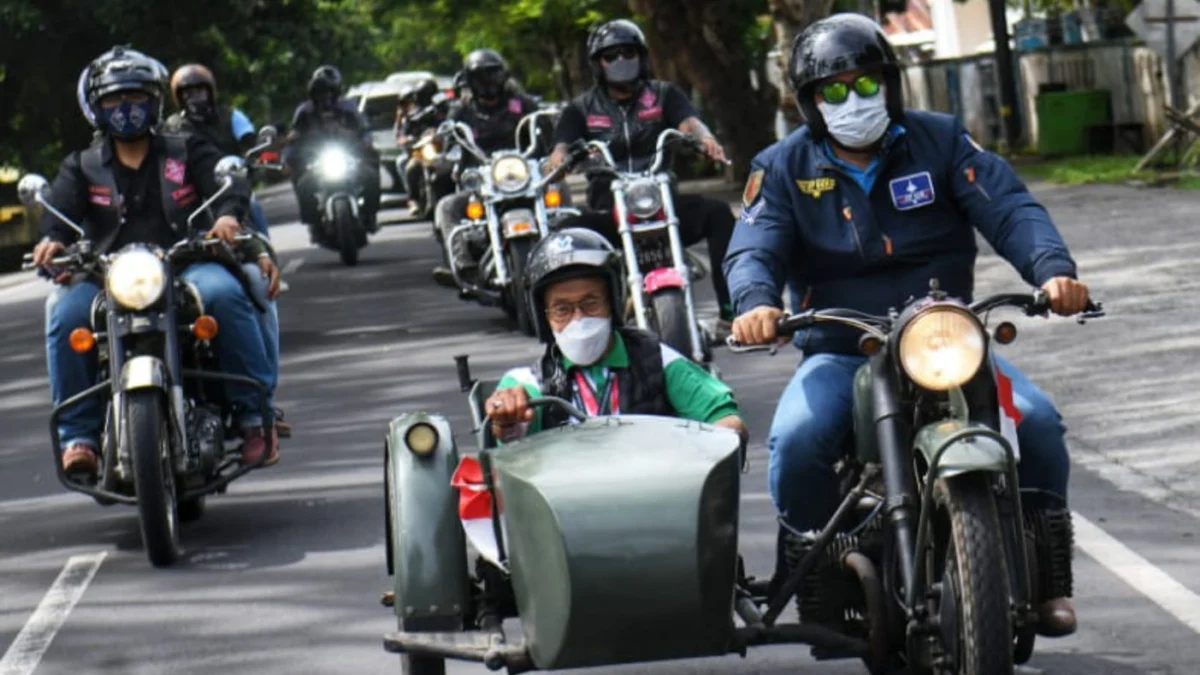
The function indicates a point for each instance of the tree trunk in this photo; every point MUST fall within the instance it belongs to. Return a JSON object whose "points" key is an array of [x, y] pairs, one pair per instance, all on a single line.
{"points": [[790, 17], [705, 42]]}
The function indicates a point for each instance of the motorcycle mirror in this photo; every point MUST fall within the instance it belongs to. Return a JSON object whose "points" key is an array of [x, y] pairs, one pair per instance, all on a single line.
{"points": [[230, 167], [267, 134], [31, 187]]}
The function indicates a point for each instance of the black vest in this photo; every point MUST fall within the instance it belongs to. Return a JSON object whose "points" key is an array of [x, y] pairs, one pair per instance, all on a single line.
{"points": [[631, 129], [643, 385], [219, 131], [494, 129], [102, 220]]}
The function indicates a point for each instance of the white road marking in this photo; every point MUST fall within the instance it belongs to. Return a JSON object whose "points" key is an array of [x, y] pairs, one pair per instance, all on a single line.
{"points": [[293, 265], [1179, 601], [34, 639]]}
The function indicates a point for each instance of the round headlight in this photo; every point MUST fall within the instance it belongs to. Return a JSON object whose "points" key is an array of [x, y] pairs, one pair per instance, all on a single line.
{"points": [[334, 164], [136, 279], [644, 200], [421, 438], [471, 180], [510, 174], [429, 152], [942, 348]]}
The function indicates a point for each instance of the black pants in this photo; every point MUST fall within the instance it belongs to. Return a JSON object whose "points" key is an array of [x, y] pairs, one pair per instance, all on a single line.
{"points": [[414, 177], [305, 185], [700, 218]]}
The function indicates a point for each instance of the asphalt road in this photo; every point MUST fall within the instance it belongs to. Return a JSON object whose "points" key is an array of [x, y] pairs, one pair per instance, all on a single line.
{"points": [[284, 573]]}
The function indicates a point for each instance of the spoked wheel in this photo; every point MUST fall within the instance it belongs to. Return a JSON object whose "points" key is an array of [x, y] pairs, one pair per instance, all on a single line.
{"points": [[148, 437], [968, 577]]}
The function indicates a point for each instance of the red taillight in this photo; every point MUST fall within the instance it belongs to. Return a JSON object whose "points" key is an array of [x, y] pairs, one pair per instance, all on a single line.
{"points": [[658, 215]]}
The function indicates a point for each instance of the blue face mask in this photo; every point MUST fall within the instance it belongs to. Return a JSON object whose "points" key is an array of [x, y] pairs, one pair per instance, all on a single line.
{"points": [[128, 120]]}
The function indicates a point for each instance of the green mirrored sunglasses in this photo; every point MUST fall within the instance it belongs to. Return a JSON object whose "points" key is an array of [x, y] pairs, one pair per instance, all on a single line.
{"points": [[865, 86]]}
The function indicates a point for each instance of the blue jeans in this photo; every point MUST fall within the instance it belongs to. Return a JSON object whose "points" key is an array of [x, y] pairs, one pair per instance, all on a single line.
{"points": [[815, 414], [258, 217], [239, 346], [268, 323]]}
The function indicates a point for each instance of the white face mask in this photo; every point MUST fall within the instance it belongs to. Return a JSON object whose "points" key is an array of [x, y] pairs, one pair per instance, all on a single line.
{"points": [[585, 340], [857, 122]]}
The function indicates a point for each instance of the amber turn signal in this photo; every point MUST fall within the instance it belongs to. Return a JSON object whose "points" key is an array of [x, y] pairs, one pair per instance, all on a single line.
{"points": [[205, 327], [82, 340], [870, 345], [474, 210], [553, 199]]}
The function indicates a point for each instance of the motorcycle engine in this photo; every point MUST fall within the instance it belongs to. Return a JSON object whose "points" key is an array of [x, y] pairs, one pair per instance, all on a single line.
{"points": [[206, 439]]}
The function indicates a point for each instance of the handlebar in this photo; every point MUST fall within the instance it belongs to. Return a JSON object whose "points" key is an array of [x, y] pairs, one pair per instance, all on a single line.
{"points": [[666, 137], [79, 256], [1032, 304], [542, 401]]}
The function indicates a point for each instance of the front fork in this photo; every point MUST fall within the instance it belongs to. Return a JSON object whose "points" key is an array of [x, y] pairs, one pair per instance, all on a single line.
{"points": [[635, 278]]}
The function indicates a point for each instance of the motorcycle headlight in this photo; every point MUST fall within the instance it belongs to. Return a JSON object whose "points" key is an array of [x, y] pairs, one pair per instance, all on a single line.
{"points": [[334, 164], [942, 348], [136, 279], [429, 152], [644, 200], [510, 174], [471, 180]]}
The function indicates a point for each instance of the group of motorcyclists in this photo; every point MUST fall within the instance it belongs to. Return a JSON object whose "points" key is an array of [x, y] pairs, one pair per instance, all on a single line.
{"points": [[859, 208]]}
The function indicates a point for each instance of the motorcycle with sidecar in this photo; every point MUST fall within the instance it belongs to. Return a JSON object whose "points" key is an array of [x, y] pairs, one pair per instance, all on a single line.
{"points": [[615, 538], [169, 437]]}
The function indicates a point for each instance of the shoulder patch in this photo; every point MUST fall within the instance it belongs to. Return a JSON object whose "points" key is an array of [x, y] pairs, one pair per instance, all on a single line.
{"points": [[753, 187], [815, 187]]}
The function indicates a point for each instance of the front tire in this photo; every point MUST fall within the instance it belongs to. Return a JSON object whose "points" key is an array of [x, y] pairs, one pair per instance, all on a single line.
{"points": [[148, 437], [518, 255], [671, 319], [344, 224], [974, 602]]}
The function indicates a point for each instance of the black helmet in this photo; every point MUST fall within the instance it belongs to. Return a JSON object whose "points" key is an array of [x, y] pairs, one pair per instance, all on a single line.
{"points": [[838, 44], [485, 73], [123, 69], [614, 34], [567, 254], [327, 81], [407, 93], [425, 90]]}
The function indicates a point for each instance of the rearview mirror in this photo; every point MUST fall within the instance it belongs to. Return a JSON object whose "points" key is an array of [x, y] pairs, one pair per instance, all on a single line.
{"points": [[267, 134], [229, 167], [31, 187]]}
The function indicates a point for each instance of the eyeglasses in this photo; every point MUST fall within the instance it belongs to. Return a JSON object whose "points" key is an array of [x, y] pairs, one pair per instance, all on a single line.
{"points": [[835, 93], [592, 305], [621, 52]]}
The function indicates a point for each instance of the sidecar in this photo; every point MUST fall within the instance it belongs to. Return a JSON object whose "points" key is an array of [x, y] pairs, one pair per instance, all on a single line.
{"points": [[615, 542]]}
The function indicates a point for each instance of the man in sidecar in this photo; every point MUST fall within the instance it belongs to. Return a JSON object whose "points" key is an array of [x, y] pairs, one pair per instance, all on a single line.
{"points": [[575, 279], [862, 207]]}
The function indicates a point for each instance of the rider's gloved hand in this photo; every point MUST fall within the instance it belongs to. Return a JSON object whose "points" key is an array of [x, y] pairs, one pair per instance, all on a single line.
{"points": [[757, 327], [1067, 296], [508, 407]]}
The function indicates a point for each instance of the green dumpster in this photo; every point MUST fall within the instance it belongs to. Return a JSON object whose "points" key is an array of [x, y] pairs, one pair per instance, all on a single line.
{"points": [[1064, 117]]}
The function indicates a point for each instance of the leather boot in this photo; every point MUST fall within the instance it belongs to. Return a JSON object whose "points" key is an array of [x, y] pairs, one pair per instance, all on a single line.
{"points": [[1056, 618]]}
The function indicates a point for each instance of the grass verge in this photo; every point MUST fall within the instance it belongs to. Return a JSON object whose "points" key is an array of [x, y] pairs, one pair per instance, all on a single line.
{"points": [[1113, 169]]}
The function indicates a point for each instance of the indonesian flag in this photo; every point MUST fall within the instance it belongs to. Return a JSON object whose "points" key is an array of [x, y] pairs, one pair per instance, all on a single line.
{"points": [[1010, 416], [475, 509]]}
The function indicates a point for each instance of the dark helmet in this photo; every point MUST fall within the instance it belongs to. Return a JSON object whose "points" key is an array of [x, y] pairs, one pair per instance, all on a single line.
{"points": [[570, 253], [838, 44], [192, 75], [122, 69], [325, 80], [425, 90], [614, 34], [485, 73], [407, 93]]}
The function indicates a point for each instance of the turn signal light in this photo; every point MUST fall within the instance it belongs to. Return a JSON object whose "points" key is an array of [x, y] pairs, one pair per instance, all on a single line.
{"points": [[205, 327], [553, 199], [1006, 333], [82, 340], [474, 210]]}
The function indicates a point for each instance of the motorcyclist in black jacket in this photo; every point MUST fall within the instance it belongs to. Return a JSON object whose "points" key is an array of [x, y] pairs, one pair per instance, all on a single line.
{"points": [[629, 110], [420, 107]]}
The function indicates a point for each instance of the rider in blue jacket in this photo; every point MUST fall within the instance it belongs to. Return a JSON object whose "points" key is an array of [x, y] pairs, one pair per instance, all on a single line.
{"points": [[860, 208]]}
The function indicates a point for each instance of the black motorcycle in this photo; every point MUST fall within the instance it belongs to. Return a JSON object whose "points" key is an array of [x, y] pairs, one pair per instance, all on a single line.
{"points": [[169, 438], [931, 560]]}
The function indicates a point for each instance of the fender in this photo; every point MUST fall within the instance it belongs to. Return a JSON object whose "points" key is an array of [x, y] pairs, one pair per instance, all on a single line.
{"points": [[329, 201], [978, 448], [425, 536], [662, 277], [144, 372]]}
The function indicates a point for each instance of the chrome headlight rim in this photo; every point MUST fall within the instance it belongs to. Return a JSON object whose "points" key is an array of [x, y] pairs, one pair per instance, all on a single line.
{"points": [[418, 445], [969, 339], [136, 278], [643, 199], [471, 180], [515, 176], [334, 163]]}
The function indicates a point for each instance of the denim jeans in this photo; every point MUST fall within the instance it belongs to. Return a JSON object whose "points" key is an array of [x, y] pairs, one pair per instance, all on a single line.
{"points": [[258, 217], [815, 414], [268, 323], [239, 346]]}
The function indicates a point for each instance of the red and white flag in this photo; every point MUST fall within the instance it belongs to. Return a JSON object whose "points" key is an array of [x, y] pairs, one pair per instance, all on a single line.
{"points": [[475, 506], [1010, 415]]}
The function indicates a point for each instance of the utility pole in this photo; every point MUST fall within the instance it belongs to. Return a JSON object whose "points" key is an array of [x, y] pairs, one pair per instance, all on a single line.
{"points": [[1006, 76]]}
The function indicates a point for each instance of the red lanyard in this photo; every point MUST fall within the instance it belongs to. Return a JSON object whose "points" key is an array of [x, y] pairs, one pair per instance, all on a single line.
{"points": [[587, 395]]}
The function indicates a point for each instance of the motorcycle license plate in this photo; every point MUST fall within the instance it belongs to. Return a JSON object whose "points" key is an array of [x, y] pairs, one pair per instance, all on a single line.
{"points": [[653, 252]]}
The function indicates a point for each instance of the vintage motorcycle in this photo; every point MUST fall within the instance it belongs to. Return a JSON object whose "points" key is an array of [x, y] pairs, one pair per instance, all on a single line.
{"points": [[614, 539], [655, 259], [437, 163], [168, 440], [511, 207]]}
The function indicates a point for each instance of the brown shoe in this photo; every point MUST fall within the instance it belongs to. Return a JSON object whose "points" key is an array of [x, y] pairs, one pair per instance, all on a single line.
{"points": [[1056, 618], [256, 445], [81, 461]]}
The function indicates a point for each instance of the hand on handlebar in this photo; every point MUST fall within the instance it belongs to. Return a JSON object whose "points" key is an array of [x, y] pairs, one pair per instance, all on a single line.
{"points": [[1067, 296], [758, 326], [713, 149], [508, 407], [45, 251], [227, 228]]}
